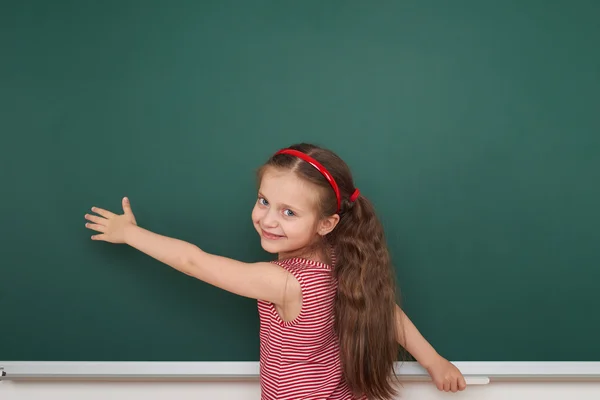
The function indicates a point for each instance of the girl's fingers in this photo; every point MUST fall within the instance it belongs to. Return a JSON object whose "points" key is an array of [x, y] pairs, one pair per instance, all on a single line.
{"points": [[96, 227], [454, 386], [126, 206], [98, 237], [104, 213], [95, 219]]}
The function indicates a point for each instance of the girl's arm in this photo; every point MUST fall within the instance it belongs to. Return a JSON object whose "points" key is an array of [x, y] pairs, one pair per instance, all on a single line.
{"points": [[263, 280], [445, 375], [411, 339], [260, 280]]}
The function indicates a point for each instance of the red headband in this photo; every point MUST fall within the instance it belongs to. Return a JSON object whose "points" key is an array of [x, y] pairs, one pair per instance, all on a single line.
{"points": [[323, 171]]}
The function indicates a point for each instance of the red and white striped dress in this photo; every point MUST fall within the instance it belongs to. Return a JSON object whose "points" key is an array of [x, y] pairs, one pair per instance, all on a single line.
{"points": [[300, 359]]}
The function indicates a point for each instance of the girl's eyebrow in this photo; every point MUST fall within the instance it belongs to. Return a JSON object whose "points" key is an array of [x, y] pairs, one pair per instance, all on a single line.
{"points": [[290, 207]]}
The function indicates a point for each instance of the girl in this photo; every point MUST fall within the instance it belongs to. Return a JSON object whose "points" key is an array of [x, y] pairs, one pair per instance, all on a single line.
{"points": [[329, 323]]}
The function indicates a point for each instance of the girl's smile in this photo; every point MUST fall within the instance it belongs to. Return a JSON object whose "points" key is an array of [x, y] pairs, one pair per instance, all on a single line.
{"points": [[271, 236]]}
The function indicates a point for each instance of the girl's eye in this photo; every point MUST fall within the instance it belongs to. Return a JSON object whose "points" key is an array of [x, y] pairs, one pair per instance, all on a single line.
{"points": [[263, 201], [288, 213]]}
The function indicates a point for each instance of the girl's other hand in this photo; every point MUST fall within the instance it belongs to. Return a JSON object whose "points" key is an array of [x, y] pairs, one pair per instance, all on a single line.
{"points": [[446, 376], [112, 227]]}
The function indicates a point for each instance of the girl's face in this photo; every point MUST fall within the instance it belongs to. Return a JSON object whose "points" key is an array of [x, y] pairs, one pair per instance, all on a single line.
{"points": [[286, 215]]}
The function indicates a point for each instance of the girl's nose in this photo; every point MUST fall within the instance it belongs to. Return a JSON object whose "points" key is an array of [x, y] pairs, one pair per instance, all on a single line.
{"points": [[270, 220]]}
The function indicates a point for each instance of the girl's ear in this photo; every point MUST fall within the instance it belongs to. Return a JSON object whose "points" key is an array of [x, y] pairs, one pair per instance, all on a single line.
{"points": [[326, 225]]}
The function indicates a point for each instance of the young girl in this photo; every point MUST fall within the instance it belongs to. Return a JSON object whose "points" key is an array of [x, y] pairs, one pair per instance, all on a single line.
{"points": [[329, 323]]}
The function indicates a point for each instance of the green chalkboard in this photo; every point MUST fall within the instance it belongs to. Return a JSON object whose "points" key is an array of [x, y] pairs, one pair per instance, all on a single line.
{"points": [[472, 125]]}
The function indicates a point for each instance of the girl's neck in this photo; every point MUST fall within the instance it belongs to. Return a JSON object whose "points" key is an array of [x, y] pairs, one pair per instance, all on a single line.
{"points": [[317, 252]]}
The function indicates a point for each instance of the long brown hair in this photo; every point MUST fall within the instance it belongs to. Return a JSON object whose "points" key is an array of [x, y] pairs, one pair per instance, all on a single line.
{"points": [[366, 296]]}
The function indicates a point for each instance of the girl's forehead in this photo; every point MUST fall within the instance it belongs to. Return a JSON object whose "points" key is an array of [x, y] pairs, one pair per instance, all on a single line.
{"points": [[287, 188]]}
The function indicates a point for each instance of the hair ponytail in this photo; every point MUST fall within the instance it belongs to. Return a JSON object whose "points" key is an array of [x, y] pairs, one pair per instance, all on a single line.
{"points": [[365, 304]]}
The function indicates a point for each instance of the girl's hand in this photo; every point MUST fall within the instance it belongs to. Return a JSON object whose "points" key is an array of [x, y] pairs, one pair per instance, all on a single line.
{"points": [[112, 227], [446, 376]]}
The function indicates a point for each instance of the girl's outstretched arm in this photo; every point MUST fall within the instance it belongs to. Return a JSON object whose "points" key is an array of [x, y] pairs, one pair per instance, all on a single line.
{"points": [[445, 375], [262, 280]]}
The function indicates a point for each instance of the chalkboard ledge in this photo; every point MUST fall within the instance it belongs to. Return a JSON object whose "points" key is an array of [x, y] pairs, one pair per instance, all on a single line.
{"points": [[475, 372]]}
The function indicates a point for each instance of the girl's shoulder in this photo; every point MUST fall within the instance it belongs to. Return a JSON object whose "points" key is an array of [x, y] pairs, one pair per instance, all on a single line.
{"points": [[302, 263]]}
